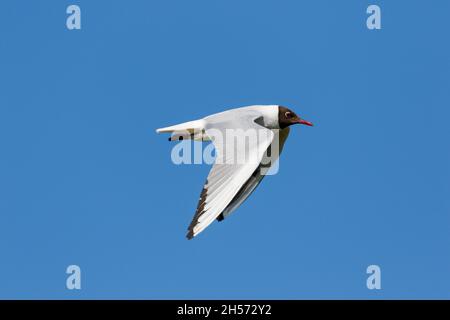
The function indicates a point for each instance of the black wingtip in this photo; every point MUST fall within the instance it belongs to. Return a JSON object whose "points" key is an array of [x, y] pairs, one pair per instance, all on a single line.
{"points": [[180, 138], [190, 235]]}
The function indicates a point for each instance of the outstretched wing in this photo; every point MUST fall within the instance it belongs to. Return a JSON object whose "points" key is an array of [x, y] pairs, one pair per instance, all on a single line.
{"points": [[229, 172], [257, 176]]}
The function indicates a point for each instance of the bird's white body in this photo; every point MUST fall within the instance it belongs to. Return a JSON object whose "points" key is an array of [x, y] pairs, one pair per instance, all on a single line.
{"points": [[268, 112], [229, 184]]}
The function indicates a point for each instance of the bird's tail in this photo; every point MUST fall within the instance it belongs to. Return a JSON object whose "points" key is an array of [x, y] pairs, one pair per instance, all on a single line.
{"points": [[194, 130]]}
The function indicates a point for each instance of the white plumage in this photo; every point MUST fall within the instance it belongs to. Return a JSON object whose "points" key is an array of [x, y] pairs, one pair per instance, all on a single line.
{"points": [[229, 183]]}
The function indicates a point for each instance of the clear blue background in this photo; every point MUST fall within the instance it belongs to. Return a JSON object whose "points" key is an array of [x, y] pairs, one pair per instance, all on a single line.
{"points": [[85, 180]]}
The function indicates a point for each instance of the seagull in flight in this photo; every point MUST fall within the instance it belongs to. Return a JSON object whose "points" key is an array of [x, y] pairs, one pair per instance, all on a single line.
{"points": [[263, 129]]}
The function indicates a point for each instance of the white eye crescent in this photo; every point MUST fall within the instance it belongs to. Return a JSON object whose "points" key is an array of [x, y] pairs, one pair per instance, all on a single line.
{"points": [[287, 114]]}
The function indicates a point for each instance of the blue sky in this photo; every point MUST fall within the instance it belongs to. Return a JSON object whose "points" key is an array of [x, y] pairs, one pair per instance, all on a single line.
{"points": [[85, 180]]}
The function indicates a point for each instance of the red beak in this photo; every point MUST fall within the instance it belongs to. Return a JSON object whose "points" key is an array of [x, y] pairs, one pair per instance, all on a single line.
{"points": [[306, 123]]}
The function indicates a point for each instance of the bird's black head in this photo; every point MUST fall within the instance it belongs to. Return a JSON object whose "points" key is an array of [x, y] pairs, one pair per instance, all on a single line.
{"points": [[288, 117]]}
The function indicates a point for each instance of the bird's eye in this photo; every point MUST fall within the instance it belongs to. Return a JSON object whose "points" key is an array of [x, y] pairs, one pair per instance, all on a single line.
{"points": [[288, 114]]}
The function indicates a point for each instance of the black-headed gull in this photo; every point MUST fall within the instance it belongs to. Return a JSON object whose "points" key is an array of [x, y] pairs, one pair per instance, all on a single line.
{"points": [[263, 128]]}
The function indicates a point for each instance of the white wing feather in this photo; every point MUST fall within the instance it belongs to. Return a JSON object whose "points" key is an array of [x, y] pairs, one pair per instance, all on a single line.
{"points": [[226, 179]]}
